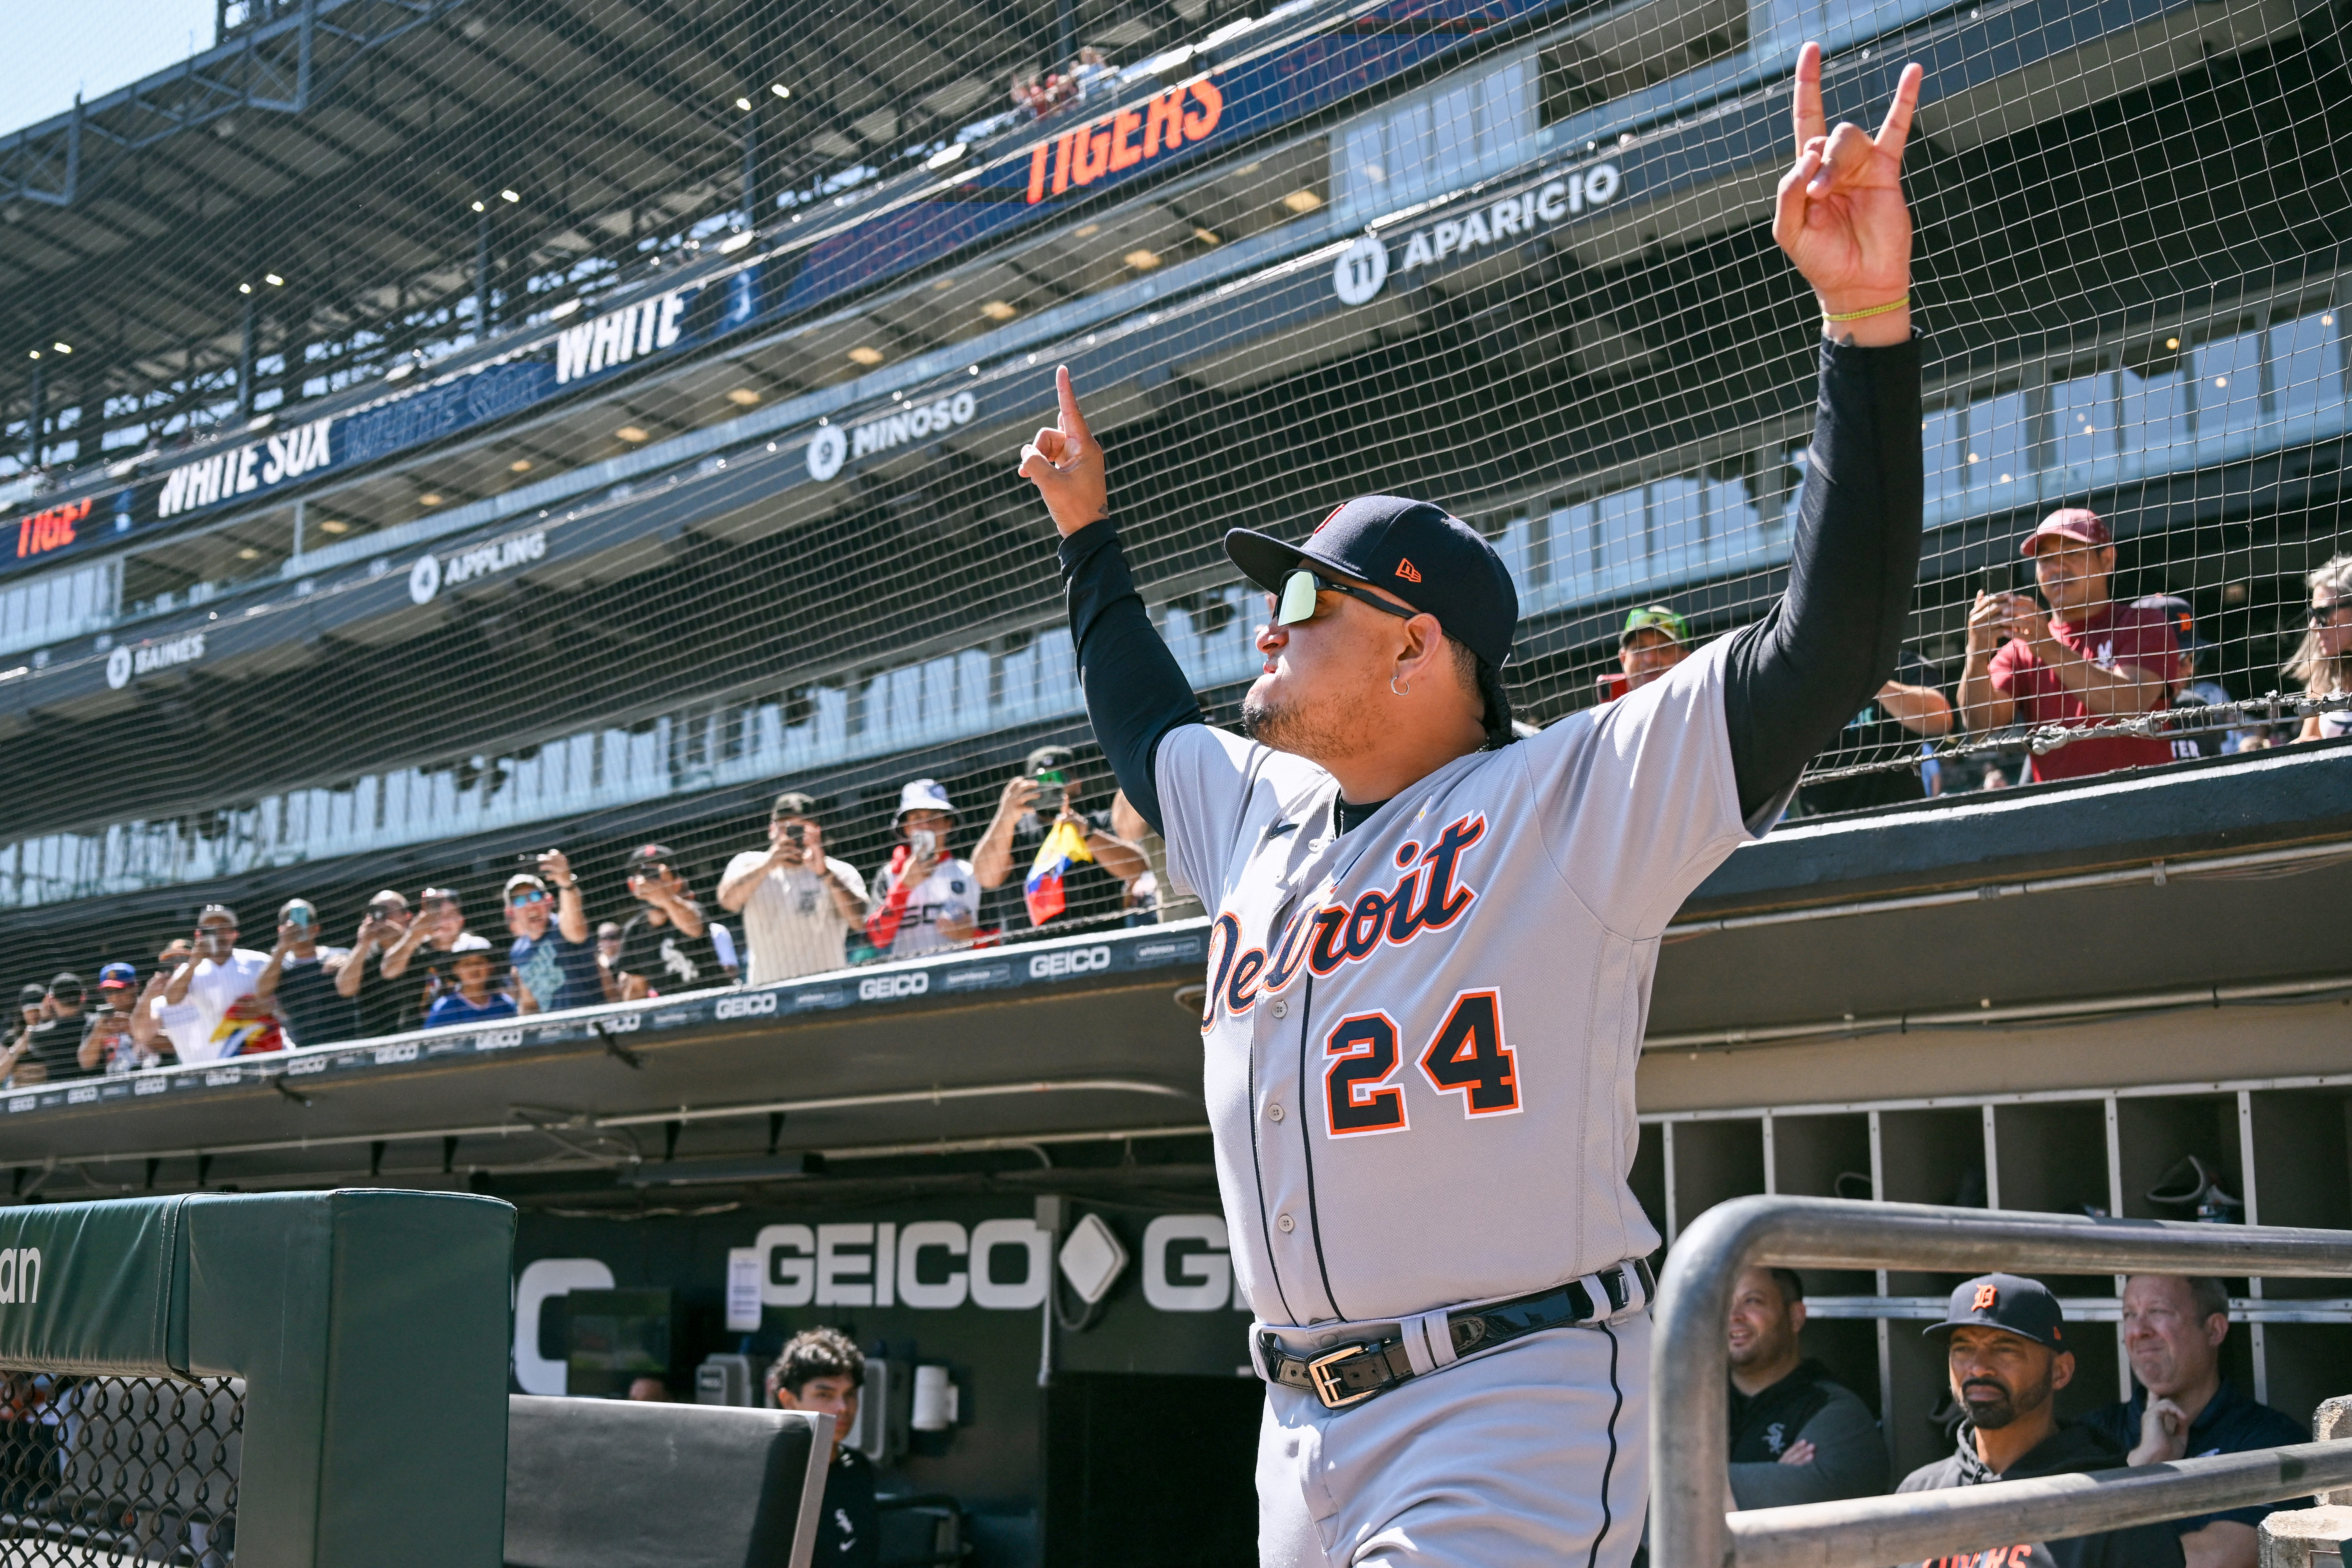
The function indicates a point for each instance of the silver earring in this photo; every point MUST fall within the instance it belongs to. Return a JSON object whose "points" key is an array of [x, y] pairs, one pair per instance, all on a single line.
{"points": [[1393, 688]]}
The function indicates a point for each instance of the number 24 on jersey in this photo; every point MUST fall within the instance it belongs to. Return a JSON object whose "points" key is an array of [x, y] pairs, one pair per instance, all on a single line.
{"points": [[1466, 1056]]}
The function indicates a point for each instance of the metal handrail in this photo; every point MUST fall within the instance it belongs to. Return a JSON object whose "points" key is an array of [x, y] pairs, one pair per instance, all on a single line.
{"points": [[1690, 1442]]}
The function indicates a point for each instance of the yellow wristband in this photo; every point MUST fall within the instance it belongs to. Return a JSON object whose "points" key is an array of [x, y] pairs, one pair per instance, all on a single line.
{"points": [[1902, 304]]}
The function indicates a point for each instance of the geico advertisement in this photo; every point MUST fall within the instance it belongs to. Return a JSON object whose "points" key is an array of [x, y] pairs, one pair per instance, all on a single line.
{"points": [[942, 1265]]}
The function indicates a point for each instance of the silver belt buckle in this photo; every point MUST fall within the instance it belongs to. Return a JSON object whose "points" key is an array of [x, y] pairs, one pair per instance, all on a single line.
{"points": [[1327, 1383]]}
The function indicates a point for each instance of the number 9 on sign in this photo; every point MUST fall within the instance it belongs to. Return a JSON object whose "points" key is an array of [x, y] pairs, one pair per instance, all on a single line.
{"points": [[1361, 270]]}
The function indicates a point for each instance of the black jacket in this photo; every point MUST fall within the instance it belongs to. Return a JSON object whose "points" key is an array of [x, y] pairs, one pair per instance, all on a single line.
{"points": [[1850, 1453], [2072, 1450]]}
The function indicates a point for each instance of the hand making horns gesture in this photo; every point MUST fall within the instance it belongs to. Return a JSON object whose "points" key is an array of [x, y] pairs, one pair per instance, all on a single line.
{"points": [[1065, 463], [1840, 214]]}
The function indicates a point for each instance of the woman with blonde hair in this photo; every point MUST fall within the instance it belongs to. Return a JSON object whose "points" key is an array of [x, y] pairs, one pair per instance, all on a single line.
{"points": [[2324, 662]]}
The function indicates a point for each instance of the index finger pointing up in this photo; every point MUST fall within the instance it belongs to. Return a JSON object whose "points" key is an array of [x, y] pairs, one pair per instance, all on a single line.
{"points": [[1898, 127], [1807, 106], [1073, 422]]}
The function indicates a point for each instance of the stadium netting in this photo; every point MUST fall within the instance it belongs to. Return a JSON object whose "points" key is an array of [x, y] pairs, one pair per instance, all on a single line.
{"points": [[437, 436]]}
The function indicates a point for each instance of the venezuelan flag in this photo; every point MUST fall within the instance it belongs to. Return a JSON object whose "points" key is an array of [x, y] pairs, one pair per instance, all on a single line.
{"points": [[1064, 847]]}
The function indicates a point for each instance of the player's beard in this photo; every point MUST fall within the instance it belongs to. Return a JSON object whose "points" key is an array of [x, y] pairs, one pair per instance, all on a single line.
{"points": [[1324, 733], [1993, 1414]]}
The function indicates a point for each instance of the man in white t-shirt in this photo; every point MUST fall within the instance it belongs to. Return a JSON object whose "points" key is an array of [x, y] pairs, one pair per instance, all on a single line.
{"points": [[799, 904], [201, 992], [928, 902]]}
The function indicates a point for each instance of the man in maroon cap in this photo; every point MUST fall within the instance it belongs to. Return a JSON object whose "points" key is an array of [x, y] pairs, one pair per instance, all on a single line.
{"points": [[2085, 659]]}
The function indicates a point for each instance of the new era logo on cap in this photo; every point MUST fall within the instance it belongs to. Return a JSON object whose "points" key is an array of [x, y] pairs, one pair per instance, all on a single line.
{"points": [[1411, 549]]}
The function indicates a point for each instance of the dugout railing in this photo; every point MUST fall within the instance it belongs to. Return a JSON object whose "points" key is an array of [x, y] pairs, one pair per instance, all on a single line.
{"points": [[1690, 1435], [282, 1381]]}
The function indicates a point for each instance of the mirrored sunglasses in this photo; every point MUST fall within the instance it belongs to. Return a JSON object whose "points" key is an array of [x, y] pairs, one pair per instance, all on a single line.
{"points": [[1296, 603]]}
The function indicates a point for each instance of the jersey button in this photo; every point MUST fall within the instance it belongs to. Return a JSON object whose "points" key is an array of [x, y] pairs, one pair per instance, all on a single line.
{"points": [[1273, 1112], [1282, 1223], [1281, 1009]]}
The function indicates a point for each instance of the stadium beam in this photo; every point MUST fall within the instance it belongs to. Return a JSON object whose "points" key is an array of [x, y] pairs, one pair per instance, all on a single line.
{"points": [[1690, 1443]]}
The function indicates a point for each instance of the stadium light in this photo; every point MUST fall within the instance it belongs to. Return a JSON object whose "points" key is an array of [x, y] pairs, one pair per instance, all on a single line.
{"points": [[867, 357], [430, 497], [477, 207], [245, 287], [62, 348], [274, 280], [945, 155], [743, 103], [509, 195], [36, 354], [780, 90]]}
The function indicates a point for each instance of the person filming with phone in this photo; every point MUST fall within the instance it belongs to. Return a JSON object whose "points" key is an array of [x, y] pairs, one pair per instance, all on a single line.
{"points": [[554, 951], [1065, 875], [301, 974], [798, 903], [930, 901]]}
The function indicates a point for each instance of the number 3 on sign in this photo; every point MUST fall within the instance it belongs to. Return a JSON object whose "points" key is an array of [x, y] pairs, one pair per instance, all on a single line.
{"points": [[1466, 1056]]}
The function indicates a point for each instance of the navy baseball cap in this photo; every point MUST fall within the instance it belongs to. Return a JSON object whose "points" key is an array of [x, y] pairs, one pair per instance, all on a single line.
{"points": [[121, 974], [1431, 559], [2010, 1302]]}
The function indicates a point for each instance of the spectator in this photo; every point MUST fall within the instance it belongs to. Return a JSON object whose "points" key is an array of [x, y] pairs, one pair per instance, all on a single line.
{"points": [[664, 947], [376, 1007], [32, 1011], [2324, 662], [821, 1370], [2173, 1329], [649, 1390], [1796, 1435], [1654, 641], [2006, 1357], [302, 976], [1170, 900], [108, 1046], [930, 899], [1091, 73], [608, 955], [54, 1045], [209, 1007], [147, 1029], [798, 903], [432, 939], [1907, 710], [2188, 689], [470, 1000], [2085, 660], [555, 963], [1055, 885]]}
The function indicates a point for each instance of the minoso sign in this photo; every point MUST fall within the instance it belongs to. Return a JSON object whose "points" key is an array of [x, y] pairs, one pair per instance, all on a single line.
{"points": [[286, 456], [1361, 270], [832, 446]]}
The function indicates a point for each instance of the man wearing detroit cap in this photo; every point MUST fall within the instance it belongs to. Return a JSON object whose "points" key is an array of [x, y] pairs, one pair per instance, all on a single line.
{"points": [[2082, 659], [2006, 1350], [1433, 939]]}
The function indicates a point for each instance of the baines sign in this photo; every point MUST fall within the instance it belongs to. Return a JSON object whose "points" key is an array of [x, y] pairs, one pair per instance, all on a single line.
{"points": [[240, 470]]}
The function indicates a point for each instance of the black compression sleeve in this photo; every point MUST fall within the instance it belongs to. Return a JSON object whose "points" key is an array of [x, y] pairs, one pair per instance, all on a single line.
{"points": [[1135, 690], [1795, 677]]}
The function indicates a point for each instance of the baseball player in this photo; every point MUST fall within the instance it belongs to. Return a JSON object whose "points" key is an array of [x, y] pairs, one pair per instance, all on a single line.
{"points": [[1431, 958]]}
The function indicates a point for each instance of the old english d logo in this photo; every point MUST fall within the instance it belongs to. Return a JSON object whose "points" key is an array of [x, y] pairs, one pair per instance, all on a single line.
{"points": [[1406, 570], [1986, 1296]]}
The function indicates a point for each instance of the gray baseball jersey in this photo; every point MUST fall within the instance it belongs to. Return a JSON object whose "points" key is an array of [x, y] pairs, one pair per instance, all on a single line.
{"points": [[1422, 1034]]}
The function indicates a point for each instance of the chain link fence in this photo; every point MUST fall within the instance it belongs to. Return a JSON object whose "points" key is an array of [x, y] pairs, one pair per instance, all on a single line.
{"points": [[119, 1470]]}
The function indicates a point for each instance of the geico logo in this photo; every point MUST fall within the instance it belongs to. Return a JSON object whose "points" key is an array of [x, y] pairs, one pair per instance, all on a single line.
{"points": [[1002, 1264], [42, 532], [81, 1094], [1514, 216], [498, 1039], [221, 1080], [1162, 124], [286, 456], [884, 987], [1075, 961], [404, 1052], [150, 1086], [626, 1024], [20, 1275], [752, 1007], [298, 1069], [610, 339], [912, 424], [24, 1102]]}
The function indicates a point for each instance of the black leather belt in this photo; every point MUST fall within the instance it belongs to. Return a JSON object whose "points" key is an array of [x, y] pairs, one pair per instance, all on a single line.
{"points": [[1351, 1373]]}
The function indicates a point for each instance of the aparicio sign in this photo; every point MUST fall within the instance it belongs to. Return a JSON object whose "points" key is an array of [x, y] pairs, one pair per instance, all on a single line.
{"points": [[1364, 266]]}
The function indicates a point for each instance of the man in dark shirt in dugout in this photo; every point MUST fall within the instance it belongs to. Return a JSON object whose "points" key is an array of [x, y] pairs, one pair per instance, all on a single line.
{"points": [[2008, 1354], [823, 1370], [1796, 1435]]}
